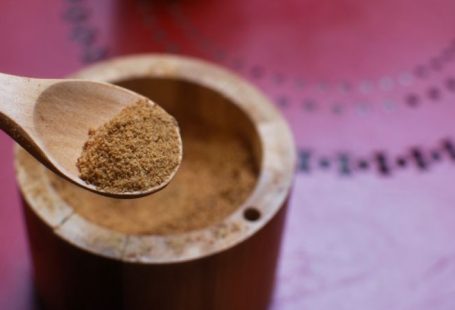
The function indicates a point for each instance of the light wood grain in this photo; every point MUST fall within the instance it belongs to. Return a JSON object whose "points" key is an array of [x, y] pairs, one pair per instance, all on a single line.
{"points": [[51, 118]]}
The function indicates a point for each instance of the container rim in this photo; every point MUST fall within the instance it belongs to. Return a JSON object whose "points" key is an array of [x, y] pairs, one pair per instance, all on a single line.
{"points": [[269, 196]]}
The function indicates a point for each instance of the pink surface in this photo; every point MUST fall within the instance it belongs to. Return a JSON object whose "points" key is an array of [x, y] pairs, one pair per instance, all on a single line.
{"points": [[368, 88]]}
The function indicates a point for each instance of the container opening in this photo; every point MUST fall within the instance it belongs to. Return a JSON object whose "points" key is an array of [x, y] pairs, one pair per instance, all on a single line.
{"points": [[220, 167]]}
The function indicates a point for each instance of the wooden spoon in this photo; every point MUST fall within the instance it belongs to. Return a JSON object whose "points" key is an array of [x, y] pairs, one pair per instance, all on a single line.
{"points": [[51, 118]]}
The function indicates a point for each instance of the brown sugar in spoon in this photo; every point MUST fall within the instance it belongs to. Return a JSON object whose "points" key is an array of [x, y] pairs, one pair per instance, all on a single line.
{"points": [[52, 118]]}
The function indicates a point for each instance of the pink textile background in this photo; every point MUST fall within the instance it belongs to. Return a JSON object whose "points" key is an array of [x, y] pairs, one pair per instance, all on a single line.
{"points": [[368, 88]]}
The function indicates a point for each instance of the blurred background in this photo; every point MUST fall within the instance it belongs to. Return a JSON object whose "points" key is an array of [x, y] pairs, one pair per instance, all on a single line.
{"points": [[368, 88]]}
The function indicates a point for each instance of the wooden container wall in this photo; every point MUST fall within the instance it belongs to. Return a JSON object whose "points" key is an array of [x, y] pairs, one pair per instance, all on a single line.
{"points": [[67, 277]]}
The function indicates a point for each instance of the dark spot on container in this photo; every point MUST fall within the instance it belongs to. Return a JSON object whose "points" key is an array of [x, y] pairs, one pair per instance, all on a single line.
{"points": [[252, 214]]}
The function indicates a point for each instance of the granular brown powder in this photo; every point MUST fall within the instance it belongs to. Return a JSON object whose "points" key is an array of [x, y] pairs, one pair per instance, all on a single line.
{"points": [[217, 174], [138, 149]]}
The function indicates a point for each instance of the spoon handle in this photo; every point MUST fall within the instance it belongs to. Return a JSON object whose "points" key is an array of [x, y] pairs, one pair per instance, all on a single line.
{"points": [[17, 99], [11, 103], [17, 96]]}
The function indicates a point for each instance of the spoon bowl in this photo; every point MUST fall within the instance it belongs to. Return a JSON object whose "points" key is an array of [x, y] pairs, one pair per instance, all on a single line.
{"points": [[51, 120]]}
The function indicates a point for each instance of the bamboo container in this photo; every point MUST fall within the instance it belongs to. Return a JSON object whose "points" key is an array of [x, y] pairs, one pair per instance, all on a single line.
{"points": [[231, 264]]}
